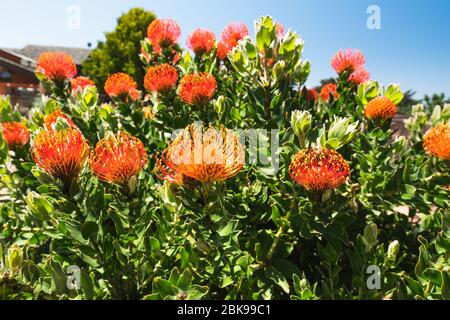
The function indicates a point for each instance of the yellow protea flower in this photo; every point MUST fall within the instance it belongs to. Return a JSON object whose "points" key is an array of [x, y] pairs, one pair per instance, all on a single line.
{"points": [[205, 154]]}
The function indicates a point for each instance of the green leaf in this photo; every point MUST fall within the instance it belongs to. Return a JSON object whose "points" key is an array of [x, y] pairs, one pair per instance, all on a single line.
{"points": [[58, 277], [89, 228], [87, 285], [287, 268], [165, 288], [227, 229], [197, 292], [185, 280], [278, 278], [410, 192], [30, 272], [332, 143], [394, 93], [445, 288], [184, 254]]}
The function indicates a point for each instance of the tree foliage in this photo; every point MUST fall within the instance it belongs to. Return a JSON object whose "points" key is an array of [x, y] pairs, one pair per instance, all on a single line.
{"points": [[120, 51]]}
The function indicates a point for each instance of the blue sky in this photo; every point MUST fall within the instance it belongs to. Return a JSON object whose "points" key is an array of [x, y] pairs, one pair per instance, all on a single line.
{"points": [[411, 48]]}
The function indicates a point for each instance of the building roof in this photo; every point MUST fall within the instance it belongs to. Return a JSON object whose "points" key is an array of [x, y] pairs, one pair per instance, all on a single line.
{"points": [[33, 52]]}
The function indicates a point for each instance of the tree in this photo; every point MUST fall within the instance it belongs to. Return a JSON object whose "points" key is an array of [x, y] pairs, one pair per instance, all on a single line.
{"points": [[435, 100], [120, 51]]}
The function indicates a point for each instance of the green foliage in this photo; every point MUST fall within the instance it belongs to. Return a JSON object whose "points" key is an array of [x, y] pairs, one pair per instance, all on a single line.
{"points": [[120, 51]]}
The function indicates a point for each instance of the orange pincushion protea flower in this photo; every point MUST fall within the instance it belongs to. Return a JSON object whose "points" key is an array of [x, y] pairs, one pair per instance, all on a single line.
{"points": [[205, 155], [312, 95], [53, 117], [319, 169], [327, 90], [161, 78], [61, 153], [163, 33], [15, 134], [347, 60], [164, 172], [222, 50], [80, 83], [56, 66], [380, 108], [437, 141], [201, 41], [118, 158], [197, 89], [121, 85]]}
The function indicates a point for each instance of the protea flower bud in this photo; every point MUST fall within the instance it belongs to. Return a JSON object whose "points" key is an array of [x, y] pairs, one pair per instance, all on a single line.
{"points": [[342, 131], [38, 206], [51, 119], [393, 249], [14, 259], [301, 124]]}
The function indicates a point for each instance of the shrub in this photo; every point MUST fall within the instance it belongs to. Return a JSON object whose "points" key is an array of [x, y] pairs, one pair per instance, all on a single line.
{"points": [[228, 179]]}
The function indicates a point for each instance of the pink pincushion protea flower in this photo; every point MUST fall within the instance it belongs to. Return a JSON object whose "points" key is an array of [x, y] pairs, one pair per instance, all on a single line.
{"points": [[347, 60], [201, 41], [231, 35], [279, 30], [234, 32], [359, 76], [56, 66], [163, 33]]}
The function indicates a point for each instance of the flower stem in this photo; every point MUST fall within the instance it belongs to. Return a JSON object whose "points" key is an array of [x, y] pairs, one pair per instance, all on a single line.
{"points": [[279, 234]]}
